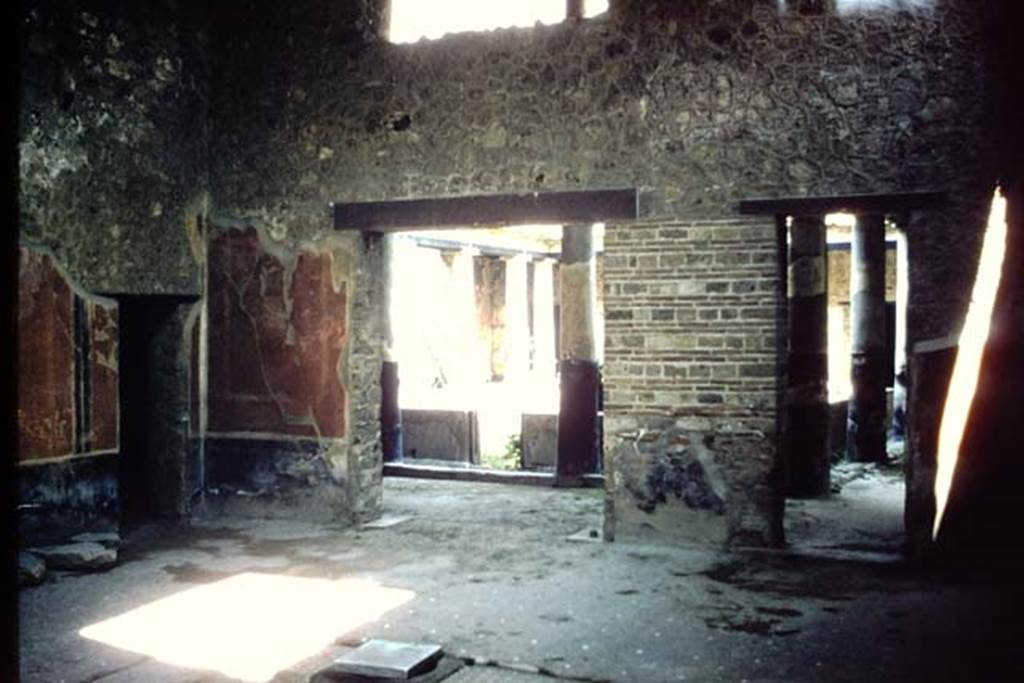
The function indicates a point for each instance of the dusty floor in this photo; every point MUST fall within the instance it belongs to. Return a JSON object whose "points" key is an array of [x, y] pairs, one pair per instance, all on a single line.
{"points": [[491, 575]]}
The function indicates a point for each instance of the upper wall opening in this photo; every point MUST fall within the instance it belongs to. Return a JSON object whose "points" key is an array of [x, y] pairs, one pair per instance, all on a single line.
{"points": [[412, 20]]}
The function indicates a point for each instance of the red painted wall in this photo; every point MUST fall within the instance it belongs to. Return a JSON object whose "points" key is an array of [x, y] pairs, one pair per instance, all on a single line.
{"points": [[276, 335], [67, 378]]}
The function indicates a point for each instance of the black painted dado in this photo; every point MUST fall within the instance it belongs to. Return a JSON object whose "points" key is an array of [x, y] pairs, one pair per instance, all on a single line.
{"points": [[579, 432], [390, 413], [262, 466], [58, 499]]}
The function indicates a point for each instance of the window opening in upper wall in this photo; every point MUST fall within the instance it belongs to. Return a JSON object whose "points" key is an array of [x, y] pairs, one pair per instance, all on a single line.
{"points": [[412, 20]]}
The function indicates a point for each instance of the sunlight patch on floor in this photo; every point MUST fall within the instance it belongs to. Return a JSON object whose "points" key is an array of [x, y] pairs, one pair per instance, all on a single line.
{"points": [[249, 626]]}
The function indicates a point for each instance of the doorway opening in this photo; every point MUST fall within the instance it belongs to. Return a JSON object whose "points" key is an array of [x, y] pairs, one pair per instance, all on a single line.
{"points": [[475, 319], [159, 467], [863, 509]]}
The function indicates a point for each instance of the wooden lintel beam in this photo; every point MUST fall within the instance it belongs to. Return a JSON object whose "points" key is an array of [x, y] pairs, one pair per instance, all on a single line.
{"points": [[586, 206], [896, 203]]}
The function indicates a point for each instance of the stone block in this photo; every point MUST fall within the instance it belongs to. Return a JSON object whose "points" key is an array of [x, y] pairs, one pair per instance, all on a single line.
{"points": [[108, 539], [540, 440], [77, 556], [387, 659], [441, 435], [31, 569]]}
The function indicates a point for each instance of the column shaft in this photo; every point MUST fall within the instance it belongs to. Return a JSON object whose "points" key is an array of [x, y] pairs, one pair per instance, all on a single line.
{"points": [[517, 325], [865, 427], [898, 429], [390, 413], [578, 430], [543, 318], [807, 443]]}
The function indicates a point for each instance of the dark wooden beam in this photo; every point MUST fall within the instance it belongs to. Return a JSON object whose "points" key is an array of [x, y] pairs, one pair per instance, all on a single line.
{"points": [[900, 202], [586, 206]]}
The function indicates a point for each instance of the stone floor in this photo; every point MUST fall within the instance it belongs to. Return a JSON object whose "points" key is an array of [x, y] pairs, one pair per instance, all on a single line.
{"points": [[487, 571]]}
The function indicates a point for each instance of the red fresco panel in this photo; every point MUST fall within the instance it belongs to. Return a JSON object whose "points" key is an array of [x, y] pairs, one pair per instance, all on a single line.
{"points": [[45, 359], [276, 335]]}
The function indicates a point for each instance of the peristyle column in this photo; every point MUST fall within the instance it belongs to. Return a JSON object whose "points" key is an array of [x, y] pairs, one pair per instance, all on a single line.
{"points": [[390, 414], [807, 449], [578, 435], [517, 319], [865, 426]]}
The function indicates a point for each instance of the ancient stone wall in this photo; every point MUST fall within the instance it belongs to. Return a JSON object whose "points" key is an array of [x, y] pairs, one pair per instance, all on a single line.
{"points": [[696, 104], [719, 101], [288, 106], [694, 312], [112, 140]]}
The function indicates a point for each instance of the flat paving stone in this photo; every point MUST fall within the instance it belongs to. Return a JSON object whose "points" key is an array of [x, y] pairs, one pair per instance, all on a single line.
{"points": [[590, 535], [388, 659], [492, 674], [386, 522], [107, 539], [77, 556], [31, 569]]}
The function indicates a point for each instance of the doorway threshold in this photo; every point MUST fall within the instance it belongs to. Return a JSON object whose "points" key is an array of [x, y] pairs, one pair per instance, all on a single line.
{"points": [[397, 469]]}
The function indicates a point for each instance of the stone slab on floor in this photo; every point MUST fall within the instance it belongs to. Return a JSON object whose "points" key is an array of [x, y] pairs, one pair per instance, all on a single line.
{"points": [[77, 556], [107, 539], [31, 569], [387, 659], [386, 521], [588, 535], [442, 671], [493, 674]]}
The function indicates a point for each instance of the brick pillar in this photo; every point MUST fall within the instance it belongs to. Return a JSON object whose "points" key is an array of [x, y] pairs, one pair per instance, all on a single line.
{"points": [[390, 414], [578, 436], [865, 427], [807, 449]]}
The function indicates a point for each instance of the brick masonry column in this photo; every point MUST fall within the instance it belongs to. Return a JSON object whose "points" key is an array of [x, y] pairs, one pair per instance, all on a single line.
{"points": [[865, 427], [806, 440], [578, 435], [390, 414]]}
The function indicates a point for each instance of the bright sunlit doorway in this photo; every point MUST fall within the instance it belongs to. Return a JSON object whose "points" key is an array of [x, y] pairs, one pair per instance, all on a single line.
{"points": [[474, 315]]}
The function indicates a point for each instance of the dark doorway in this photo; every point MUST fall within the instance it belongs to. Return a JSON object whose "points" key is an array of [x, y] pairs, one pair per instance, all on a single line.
{"points": [[159, 469]]}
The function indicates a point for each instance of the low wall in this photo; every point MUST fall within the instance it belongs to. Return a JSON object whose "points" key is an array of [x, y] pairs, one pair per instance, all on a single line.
{"points": [[441, 435]]}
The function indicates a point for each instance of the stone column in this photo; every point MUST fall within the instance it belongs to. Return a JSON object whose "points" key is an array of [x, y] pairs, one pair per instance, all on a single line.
{"points": [[865, 427], [807, 448], [574, 10], [578, 436], [543, 318], [460, 302], [390, 413], [899, 385], [517, 319]]}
